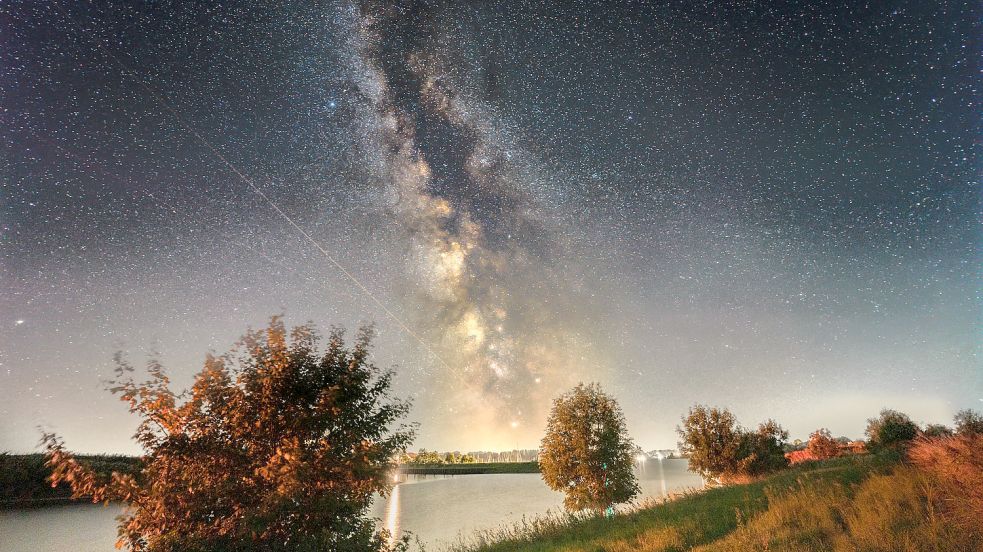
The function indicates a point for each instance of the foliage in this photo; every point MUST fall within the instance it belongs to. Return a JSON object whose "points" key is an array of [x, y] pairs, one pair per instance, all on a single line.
{"points": [[470, 468], [822, 445], [275, 447], [968, 422], [937, 430], [891, 429], [586, 452], [711, 438], [761, 451], [430, 457], [719, 449]]}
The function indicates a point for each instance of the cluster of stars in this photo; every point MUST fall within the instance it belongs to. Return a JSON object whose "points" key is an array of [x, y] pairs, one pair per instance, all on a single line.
{"points": [[757, 206]]}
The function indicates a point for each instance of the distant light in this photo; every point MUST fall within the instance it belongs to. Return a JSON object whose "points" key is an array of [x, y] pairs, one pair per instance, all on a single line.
{"points": [[19, 322], [641, 458], [515, 424]]}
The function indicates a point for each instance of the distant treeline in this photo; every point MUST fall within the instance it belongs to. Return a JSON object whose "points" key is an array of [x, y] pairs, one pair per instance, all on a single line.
{"points": [[469, 469], [24, 477], [432, 457]]}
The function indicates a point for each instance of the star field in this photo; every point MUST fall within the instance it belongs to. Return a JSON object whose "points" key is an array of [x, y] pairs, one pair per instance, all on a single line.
{"points": [[773, 208]]}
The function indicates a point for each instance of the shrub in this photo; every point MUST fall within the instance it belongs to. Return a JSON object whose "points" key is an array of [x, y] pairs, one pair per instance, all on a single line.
{"points": [[761, 451], [822, 445], [891, 429], [968, 422], [936, 430], [719, 449]]}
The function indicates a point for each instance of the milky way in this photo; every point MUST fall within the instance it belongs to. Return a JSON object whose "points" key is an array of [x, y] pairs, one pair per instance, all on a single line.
{"points": [[498, 313], [771, 208]]}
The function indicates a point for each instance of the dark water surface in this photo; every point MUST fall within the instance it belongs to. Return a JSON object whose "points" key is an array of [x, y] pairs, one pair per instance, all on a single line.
{"points": [[434, 508]]}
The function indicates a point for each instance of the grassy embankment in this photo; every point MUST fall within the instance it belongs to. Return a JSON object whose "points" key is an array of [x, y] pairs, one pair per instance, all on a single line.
{"points": [[869, 502], [470, 469], [24, 477]]}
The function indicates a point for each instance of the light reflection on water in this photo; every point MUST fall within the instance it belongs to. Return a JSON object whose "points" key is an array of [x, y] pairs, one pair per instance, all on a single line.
{"points": [[392, 513], [436, 509]]}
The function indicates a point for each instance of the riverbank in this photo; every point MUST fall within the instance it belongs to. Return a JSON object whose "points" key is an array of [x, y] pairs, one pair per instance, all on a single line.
{"points": [[871, 502], [24, 478]]}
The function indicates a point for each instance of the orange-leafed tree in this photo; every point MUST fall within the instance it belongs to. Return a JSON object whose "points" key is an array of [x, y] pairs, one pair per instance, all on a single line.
{"points": [[822, 445], [278, 445]]}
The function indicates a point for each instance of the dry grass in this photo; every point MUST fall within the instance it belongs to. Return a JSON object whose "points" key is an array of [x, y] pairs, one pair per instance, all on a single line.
{"points": [[934, 504], [957, 465]]}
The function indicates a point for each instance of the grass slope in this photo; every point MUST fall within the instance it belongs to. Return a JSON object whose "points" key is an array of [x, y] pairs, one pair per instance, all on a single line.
{"points": [[853, 503]]}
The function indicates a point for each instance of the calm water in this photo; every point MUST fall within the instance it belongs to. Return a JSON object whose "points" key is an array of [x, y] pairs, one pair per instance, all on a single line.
{"points": [[435, 508]]}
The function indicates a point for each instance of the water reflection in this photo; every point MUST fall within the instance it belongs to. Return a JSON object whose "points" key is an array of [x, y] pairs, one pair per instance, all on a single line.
{"points": [[392, 513], [438, 509]]}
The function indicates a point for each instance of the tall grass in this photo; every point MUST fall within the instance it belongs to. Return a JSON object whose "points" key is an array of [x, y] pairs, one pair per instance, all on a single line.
{"points": [[895, 512], [957, 465]]}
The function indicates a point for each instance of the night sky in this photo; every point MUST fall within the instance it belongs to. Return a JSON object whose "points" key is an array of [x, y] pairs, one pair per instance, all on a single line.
{"points": [[774, 208]]}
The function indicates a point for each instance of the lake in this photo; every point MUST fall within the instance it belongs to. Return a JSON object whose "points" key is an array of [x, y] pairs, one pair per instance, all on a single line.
{"points": [[436, 509]]}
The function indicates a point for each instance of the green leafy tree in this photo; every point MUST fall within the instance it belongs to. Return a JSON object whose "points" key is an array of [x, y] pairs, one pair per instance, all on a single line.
{"points": [[721, 450], [968, 422], [586, 452], [428, 457], [276, 447], [711, 438], [937, 430], [891, 429], [762, 451]]}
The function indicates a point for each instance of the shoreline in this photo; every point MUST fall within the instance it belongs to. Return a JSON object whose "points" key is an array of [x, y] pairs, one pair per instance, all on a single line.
{"points": [[35, 492]]}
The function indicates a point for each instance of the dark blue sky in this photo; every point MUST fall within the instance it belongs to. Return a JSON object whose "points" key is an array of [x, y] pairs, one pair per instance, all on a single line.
{"points": [[774, 208]]}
